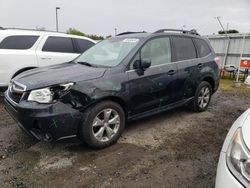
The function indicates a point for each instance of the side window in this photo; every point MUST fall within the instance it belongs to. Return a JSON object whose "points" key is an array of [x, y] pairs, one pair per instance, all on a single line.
{"points": [[58, 44], [18, 42], [184, 48], [157, 50], [84, 45], [202, 47]]}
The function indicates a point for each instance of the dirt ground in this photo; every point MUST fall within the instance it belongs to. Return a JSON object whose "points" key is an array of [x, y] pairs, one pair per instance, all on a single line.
{"points": [[176, 148]]}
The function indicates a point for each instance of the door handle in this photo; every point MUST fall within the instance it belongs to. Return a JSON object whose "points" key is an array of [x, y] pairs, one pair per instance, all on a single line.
{"points": [[46, 58], [171, 72], [199, 66]]}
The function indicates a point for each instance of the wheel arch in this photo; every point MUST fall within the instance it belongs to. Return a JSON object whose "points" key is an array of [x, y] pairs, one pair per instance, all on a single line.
{"points": [[22, 70], [115, 99], [211, 81]]}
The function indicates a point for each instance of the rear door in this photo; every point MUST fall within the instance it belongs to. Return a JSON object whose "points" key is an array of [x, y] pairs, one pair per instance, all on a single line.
{"points": [[55, 50], [156, 87], [189, 66]]}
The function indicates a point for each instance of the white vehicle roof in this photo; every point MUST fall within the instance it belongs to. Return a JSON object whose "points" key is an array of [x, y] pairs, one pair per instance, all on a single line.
{"points": [[8, 32]]}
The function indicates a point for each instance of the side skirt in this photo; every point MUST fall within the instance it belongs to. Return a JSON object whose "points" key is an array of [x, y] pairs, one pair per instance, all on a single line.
{"points": [[160, 109]]}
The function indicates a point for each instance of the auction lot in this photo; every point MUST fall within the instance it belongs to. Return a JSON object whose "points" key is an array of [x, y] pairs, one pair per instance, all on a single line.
{"points": [[177, 148]]}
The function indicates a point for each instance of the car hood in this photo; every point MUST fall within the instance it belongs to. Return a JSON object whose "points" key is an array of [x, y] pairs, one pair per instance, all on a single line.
{"points": [[57, 74], [246, 129]]}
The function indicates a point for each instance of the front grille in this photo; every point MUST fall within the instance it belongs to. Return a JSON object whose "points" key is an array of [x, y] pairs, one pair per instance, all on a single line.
{"points": [[15, 91]]}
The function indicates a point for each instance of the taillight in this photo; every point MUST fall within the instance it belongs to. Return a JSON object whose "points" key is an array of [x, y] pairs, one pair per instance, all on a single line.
{"points": [[217, 61]]}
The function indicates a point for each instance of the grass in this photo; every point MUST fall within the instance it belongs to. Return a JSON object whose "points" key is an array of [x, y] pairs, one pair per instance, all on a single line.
{"points": [[226, 85]]}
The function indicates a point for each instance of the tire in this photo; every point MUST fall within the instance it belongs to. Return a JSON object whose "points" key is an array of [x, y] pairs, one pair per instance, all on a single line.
{"points": [[200, 101], [94, 122]]}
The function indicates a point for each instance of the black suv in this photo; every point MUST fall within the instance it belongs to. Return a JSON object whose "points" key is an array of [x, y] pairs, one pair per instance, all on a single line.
{"points": [[127, 77]]}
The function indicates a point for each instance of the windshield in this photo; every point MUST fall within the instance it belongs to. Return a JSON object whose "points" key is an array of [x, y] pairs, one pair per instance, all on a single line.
{"points": [[108, 53]]}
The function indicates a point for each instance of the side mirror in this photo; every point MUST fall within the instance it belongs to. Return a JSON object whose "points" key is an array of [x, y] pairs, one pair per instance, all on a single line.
{"points": [[141, 65], [145, 63]]}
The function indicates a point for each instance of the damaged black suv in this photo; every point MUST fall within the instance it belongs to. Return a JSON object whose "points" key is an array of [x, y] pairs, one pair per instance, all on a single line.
{"points": [[127, 77]]}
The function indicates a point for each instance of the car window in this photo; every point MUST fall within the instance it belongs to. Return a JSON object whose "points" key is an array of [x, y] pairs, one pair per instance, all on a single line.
{"points": [[184, 48], [109, 52], [157, 50], [84, 45], [18, 42], [202, 47], [58, 44]]}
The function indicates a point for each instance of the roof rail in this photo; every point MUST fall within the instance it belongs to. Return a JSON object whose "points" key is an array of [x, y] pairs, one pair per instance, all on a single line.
{"points": [[14, 28], [192, 32], [130, 32]]}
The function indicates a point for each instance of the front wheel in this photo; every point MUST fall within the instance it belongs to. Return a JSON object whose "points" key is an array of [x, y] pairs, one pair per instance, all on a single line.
{"points": [[202, 97], [102, 124]]}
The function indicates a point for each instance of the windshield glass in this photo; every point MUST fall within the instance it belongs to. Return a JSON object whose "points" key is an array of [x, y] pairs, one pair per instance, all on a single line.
{"points": [[108, 53]]}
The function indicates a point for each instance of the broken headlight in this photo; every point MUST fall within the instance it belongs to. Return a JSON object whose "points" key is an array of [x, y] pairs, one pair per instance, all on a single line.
{"points": [[49, 94]]}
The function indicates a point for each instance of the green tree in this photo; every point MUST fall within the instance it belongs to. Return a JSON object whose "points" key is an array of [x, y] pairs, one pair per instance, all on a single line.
{"points": [[74, 31], [228, 31]]}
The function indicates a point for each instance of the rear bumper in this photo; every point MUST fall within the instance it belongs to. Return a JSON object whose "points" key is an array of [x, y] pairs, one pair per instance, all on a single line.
{"points": [[45, 121], [217, 83]]}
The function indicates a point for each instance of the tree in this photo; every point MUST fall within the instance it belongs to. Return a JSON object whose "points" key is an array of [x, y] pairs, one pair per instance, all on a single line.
{"points": [[74, 31], [228, 31], [109, 36]]}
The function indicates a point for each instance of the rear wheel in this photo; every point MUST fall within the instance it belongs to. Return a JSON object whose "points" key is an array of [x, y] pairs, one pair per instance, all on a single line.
{"points": [[202, 97], [103, 124]]}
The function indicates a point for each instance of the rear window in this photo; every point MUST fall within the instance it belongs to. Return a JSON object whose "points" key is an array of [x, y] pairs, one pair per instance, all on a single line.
{"points": [[58, 44], [202, 47], [18, 42], [184, 48], [83, 45]]}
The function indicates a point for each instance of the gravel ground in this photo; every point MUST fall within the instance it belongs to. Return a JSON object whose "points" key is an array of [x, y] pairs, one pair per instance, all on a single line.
{"points": [[177, 148]]}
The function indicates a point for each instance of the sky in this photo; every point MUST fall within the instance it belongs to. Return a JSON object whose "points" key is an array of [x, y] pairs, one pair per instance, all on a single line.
{"points": [[101, 17]]}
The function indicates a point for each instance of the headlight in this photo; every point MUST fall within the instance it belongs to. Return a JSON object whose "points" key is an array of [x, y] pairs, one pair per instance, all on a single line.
{"points": [[49, 94], [238, 158]]}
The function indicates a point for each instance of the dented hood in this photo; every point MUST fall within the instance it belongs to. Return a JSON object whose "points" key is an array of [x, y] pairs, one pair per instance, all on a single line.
{"points": [[57, 74]]}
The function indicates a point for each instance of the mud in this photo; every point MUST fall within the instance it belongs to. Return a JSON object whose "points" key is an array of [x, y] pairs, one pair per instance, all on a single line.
{"points": [[177, 148]]}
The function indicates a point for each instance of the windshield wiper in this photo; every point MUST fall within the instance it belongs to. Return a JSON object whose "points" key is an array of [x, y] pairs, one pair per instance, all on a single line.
{"points": [[86, 63]]}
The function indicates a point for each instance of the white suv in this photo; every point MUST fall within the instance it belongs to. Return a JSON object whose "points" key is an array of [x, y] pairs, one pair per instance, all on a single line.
{"points": [[21, 50]]}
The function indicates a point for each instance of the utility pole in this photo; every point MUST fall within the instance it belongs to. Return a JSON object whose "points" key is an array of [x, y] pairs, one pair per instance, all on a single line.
{"points": [[115, 31], [57, 8], [218, 18], [241, 54], [225, 57]]}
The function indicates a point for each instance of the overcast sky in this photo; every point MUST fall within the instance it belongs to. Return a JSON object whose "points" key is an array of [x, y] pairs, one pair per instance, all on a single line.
{"points": [[102, 16]]}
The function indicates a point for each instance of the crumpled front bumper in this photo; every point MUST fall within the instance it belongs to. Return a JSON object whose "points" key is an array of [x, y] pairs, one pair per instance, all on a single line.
{"points": [[48, 122]]}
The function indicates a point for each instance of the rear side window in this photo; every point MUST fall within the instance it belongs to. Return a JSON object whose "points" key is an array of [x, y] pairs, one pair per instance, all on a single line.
{"points": [[202, 47], [83, 45], [184, 48], [18, 42], [58, 44]]}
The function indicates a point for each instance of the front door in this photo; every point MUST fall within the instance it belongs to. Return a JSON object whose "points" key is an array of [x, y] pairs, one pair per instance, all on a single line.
{"points": [[156, 87]]}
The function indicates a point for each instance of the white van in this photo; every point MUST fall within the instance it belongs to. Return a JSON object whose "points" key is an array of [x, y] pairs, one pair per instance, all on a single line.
{"points": [[21, 50]]}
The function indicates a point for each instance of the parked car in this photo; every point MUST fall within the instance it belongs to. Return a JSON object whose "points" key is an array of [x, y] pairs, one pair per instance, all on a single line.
{"points": [[22, 50], [127, 77], [234, 164], [247, 81]]}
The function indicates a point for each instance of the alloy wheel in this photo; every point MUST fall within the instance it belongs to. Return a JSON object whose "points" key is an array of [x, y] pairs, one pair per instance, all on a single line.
{"points": [[106, 124], [204, 97]]}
